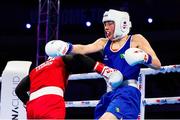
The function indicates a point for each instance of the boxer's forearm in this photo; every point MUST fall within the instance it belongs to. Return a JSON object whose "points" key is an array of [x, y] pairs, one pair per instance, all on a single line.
{"points": [[22, 89], [155, 64]]}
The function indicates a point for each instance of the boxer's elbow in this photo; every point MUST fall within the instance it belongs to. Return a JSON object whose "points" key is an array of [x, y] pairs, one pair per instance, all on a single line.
{"points": [[156, 64]]}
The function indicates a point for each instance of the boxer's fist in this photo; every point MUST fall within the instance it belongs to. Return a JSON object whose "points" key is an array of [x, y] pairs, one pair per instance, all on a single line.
{"points": [[135, 56], [57, 48], [115, 79], [112, 76]]}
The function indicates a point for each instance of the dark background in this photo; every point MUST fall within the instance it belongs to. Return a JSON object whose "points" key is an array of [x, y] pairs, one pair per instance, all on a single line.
{"points": [[19, 43]]}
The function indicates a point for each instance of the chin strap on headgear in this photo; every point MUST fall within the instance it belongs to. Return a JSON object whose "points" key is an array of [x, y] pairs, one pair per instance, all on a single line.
{"points": [[121, 20]]}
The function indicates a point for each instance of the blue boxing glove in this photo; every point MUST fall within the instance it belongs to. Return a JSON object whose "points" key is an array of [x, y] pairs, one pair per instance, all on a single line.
{"points": [[135, 56], [58, 48]]}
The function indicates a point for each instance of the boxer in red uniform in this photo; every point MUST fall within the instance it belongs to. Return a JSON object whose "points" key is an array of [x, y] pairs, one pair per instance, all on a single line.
{"points": [[46, 84]]}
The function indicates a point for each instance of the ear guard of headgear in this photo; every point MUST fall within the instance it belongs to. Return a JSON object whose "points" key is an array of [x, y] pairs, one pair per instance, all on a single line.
{"points": [[121, 20]]}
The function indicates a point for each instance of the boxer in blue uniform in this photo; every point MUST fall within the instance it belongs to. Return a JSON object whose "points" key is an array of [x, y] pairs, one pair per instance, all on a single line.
{"points": [[126, 53], [124, 101]]}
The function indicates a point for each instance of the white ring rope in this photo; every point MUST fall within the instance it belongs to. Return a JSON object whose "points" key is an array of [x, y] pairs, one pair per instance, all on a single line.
{"points": [[160, 101], [164, 69], [147, 101], [85, 103], [84, 76]]}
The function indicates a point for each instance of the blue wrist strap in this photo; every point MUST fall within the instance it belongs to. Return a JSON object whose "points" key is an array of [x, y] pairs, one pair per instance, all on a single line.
{"points": [[70, 48], [149, 60]]}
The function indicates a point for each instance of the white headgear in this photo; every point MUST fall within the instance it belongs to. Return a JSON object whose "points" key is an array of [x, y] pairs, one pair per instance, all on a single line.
{"points": [[121, 20]]}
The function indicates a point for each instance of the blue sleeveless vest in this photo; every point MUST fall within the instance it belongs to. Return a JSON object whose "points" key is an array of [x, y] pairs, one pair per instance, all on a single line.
{"points": [[116, 60]]}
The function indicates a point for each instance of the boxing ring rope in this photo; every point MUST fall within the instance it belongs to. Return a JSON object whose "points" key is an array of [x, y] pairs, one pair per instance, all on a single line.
{"points": [[160, 101], [141, 82], [84, 76]]}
